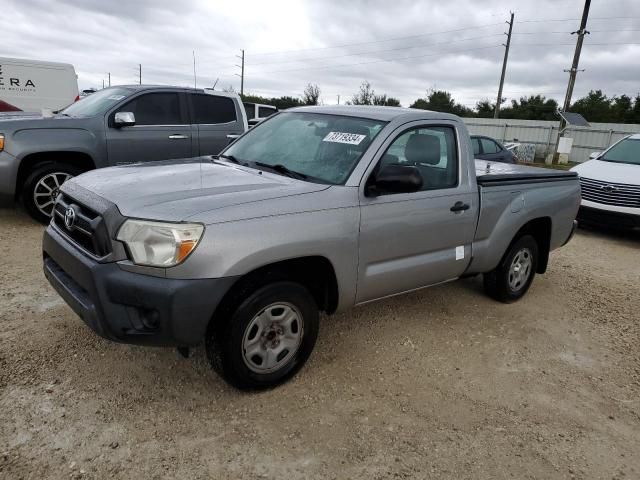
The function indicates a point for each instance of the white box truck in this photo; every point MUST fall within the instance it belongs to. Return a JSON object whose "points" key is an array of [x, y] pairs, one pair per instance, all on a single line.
{"points": [[33, 85]]}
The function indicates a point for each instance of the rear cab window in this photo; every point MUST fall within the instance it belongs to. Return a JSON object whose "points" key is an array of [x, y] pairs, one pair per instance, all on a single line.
{"points": [[208, 109], [264, 112]]}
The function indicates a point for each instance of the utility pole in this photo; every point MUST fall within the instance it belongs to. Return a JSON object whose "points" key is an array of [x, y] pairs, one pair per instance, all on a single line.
{"points": [[195, 81], [103, 83], [338, 99], [576, 56], [573, 72], [109, 78], [140, 74], [241, 66], [496, 113]]}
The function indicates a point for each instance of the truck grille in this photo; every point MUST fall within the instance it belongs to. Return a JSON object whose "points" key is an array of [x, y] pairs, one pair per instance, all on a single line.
{"points": [[607, 193], [87, 228]]}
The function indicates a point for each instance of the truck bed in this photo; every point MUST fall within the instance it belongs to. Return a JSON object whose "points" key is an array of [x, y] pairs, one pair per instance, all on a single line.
{"points": [[493, 174]]}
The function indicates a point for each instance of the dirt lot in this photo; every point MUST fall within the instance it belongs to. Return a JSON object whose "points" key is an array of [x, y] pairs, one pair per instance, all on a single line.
{"points": [[443, 383]]}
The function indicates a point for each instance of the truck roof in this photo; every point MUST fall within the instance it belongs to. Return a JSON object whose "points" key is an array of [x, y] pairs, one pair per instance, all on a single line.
{"points": [[386, 114], [174, 87]]}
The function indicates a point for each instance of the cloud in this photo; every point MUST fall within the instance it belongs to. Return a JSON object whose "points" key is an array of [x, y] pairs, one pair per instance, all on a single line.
{"points": [[403, 47]]}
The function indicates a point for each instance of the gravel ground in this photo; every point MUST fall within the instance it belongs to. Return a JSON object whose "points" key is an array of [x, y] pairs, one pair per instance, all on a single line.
{"points": [[443, 383]]}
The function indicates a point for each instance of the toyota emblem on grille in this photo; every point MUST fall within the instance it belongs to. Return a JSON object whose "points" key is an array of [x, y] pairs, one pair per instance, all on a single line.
{"points": [[70, 218]]}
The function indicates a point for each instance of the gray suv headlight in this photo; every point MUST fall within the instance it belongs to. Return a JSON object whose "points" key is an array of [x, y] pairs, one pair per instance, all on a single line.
{"points": [[159, 244]]}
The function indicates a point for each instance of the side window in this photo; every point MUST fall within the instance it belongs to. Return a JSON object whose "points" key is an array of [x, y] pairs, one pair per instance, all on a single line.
{"points": [[489, 146], [250, 110], [475, 142], [212, 109], [155, 109], [264, 112], [432, 150]]}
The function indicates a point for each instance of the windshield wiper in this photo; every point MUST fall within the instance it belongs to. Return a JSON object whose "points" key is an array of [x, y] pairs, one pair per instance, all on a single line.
{"points": [[279, 168], [231, 158]]}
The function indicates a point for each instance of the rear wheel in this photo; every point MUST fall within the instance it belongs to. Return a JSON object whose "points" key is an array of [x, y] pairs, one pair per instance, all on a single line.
{"points": [[512, 278], [267, 338], [42, 186]]}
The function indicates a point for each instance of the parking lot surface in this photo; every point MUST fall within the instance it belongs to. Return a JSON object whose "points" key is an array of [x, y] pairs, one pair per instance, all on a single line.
{"points": [[442, 383]]}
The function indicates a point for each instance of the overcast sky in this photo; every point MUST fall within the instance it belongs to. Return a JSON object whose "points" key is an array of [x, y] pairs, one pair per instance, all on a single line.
{"points": [[403, 47]]}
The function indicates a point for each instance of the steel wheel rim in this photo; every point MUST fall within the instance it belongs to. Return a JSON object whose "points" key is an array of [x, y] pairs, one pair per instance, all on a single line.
{"points": [[47, 190], [272, 337], [520, 269]]}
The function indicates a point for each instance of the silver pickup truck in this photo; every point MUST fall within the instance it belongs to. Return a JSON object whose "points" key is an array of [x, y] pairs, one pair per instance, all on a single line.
{"points": [[117, 125], [315, 209]]}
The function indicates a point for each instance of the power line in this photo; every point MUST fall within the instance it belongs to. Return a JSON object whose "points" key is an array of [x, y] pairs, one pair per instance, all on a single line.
{"points": [[383, 60], [472, 27], [560, 44], [378, 51], [574, 19]]}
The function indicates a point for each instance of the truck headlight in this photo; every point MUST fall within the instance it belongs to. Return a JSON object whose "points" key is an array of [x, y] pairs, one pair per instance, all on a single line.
{"points": [[1, 142], [159, 244]]}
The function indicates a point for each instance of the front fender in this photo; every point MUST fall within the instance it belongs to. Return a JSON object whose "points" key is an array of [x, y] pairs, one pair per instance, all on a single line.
{"points": [[234, 249]]}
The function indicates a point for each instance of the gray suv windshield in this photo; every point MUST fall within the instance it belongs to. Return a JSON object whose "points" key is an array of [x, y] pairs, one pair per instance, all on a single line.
{"points": [[97, 103], [320, 147]]}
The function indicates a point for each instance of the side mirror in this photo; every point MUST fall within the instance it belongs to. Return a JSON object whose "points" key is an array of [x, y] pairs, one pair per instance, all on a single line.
{"points": [[594, 155], [124, 119], [396, 179]]}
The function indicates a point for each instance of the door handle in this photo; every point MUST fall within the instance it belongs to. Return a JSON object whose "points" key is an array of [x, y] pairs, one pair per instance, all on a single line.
{"points": [[178, 137], [460, 207]]}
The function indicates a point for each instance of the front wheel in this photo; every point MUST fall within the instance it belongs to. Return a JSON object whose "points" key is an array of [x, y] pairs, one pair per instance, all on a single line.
{"points": [[42, 186], [512, 278], [267, 338]]}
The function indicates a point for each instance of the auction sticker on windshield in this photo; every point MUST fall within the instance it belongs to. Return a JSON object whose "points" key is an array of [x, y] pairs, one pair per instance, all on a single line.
{"points": [[341, 137]]}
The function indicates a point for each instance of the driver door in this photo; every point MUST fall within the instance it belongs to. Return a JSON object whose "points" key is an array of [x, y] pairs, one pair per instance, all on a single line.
{"points": [[162, 130], [412, 240]]}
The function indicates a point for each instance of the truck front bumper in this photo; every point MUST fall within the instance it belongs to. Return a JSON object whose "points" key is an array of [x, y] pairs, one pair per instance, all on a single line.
{"points": [[130, 307]]}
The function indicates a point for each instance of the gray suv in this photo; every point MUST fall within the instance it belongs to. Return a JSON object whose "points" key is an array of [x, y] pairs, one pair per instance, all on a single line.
{"points": [[115, 126]]}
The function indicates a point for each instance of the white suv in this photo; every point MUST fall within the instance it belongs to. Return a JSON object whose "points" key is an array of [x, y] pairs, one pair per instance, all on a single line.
{"points": [[611, 185]]}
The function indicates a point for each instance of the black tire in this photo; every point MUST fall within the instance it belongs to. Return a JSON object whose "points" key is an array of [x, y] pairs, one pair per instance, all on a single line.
{"points": [[226, 336], [41, 171], [499, 283]]}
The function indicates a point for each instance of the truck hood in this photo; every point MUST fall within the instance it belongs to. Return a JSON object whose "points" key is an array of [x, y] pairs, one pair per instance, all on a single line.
{"points": [[20, 120], [179, 190], [609, 172]]}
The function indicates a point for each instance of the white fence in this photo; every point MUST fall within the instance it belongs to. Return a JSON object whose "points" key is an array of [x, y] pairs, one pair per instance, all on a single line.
{"points": [[543, 134]]}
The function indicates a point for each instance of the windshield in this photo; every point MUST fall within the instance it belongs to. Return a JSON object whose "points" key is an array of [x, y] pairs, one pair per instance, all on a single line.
{"points": [[627, 151], [97, 103], [324, 148]]}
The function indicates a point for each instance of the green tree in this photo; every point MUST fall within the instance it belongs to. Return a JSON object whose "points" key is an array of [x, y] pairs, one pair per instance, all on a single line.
{"points": [[485, 109], [595, 107], [364, 96], [534, 107], [634, 115], [442, 101], [385, 101], [280, 103], [621, 109], [311, 94]]}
